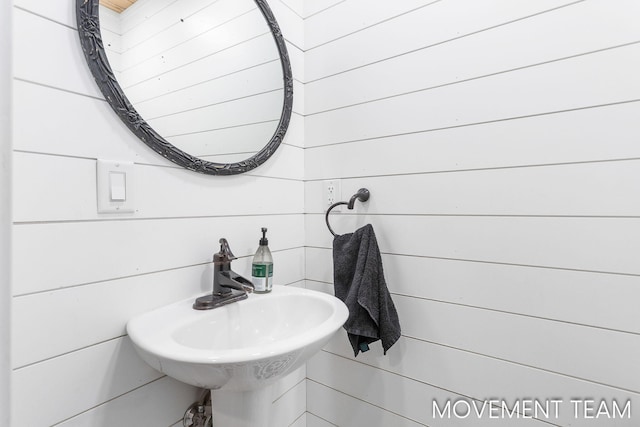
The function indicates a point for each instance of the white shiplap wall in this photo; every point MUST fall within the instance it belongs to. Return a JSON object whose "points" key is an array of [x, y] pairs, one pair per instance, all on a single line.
{"points": [[79, 276], [499, 140], [5, 212]]}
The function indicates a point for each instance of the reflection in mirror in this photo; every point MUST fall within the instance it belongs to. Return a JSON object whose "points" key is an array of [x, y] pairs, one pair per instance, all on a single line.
{"points": [[205, 75]]}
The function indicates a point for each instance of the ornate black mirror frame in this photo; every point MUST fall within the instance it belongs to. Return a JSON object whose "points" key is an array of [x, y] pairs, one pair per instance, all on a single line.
{"points": [[93, 48]]}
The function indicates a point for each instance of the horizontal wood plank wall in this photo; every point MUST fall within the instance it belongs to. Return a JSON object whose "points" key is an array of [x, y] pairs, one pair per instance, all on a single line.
{"points": [[79, 276], [6, 155], [499, 141]]}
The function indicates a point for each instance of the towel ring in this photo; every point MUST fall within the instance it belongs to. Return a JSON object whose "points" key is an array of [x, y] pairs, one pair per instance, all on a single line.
{"points": [[362, 195]]}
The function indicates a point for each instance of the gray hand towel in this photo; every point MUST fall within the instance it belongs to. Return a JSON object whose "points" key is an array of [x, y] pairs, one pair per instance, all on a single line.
{"points": [[358, 279]]}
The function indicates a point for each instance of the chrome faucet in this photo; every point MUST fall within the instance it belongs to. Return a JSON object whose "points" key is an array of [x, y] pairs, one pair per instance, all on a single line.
{"points": [[228, 286]]}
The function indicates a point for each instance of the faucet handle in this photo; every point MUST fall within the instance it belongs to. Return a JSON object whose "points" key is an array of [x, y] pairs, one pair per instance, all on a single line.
{"points": [[225, 253]]}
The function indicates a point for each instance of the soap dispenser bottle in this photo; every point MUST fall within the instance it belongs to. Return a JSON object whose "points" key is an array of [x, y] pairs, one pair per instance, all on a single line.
{"points": [[262, 266]]}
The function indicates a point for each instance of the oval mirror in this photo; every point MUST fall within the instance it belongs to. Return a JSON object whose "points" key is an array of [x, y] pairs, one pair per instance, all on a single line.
{"points": [[201, 82]]}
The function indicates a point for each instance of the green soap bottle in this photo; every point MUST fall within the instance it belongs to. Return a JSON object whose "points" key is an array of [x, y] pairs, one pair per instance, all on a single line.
{"points": [[262, 266]]}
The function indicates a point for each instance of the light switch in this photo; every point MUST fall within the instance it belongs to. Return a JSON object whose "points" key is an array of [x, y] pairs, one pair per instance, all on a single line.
{"points": [[118, 186], [115, 186]]}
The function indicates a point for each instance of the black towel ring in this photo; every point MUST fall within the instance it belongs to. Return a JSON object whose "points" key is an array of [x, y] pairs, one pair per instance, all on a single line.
{"points": [[362, 195]]}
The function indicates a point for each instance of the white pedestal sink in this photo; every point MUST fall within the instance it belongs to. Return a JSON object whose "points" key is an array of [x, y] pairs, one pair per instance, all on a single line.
{"points": [[238, 350]]}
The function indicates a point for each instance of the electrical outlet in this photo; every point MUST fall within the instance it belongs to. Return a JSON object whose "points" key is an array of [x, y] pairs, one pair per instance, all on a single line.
{"points": [[332, 193]]}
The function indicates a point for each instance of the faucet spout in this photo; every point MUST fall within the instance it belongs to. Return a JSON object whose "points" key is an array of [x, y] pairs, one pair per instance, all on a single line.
{"points": [[231, 280]]}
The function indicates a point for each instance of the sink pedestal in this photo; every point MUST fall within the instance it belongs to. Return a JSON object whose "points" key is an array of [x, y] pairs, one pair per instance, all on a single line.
{"points": [[241, 408]]}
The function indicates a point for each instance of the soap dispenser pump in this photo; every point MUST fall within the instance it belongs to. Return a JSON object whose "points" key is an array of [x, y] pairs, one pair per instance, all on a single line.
{"points": [[262, 266]]}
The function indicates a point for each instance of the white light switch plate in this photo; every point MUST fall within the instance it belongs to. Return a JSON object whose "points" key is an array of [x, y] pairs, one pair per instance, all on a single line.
{"points": [[115, 187]]}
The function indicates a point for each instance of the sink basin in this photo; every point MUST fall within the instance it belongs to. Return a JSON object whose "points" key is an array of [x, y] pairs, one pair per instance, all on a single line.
{"points": [[242, 346]]}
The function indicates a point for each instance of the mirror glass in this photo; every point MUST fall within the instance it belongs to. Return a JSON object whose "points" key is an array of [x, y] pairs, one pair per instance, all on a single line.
{"points": [[207, 79]]}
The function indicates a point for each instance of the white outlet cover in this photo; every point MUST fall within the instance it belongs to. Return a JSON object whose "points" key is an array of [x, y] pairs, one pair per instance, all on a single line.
{"points": [[327, 201]]}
